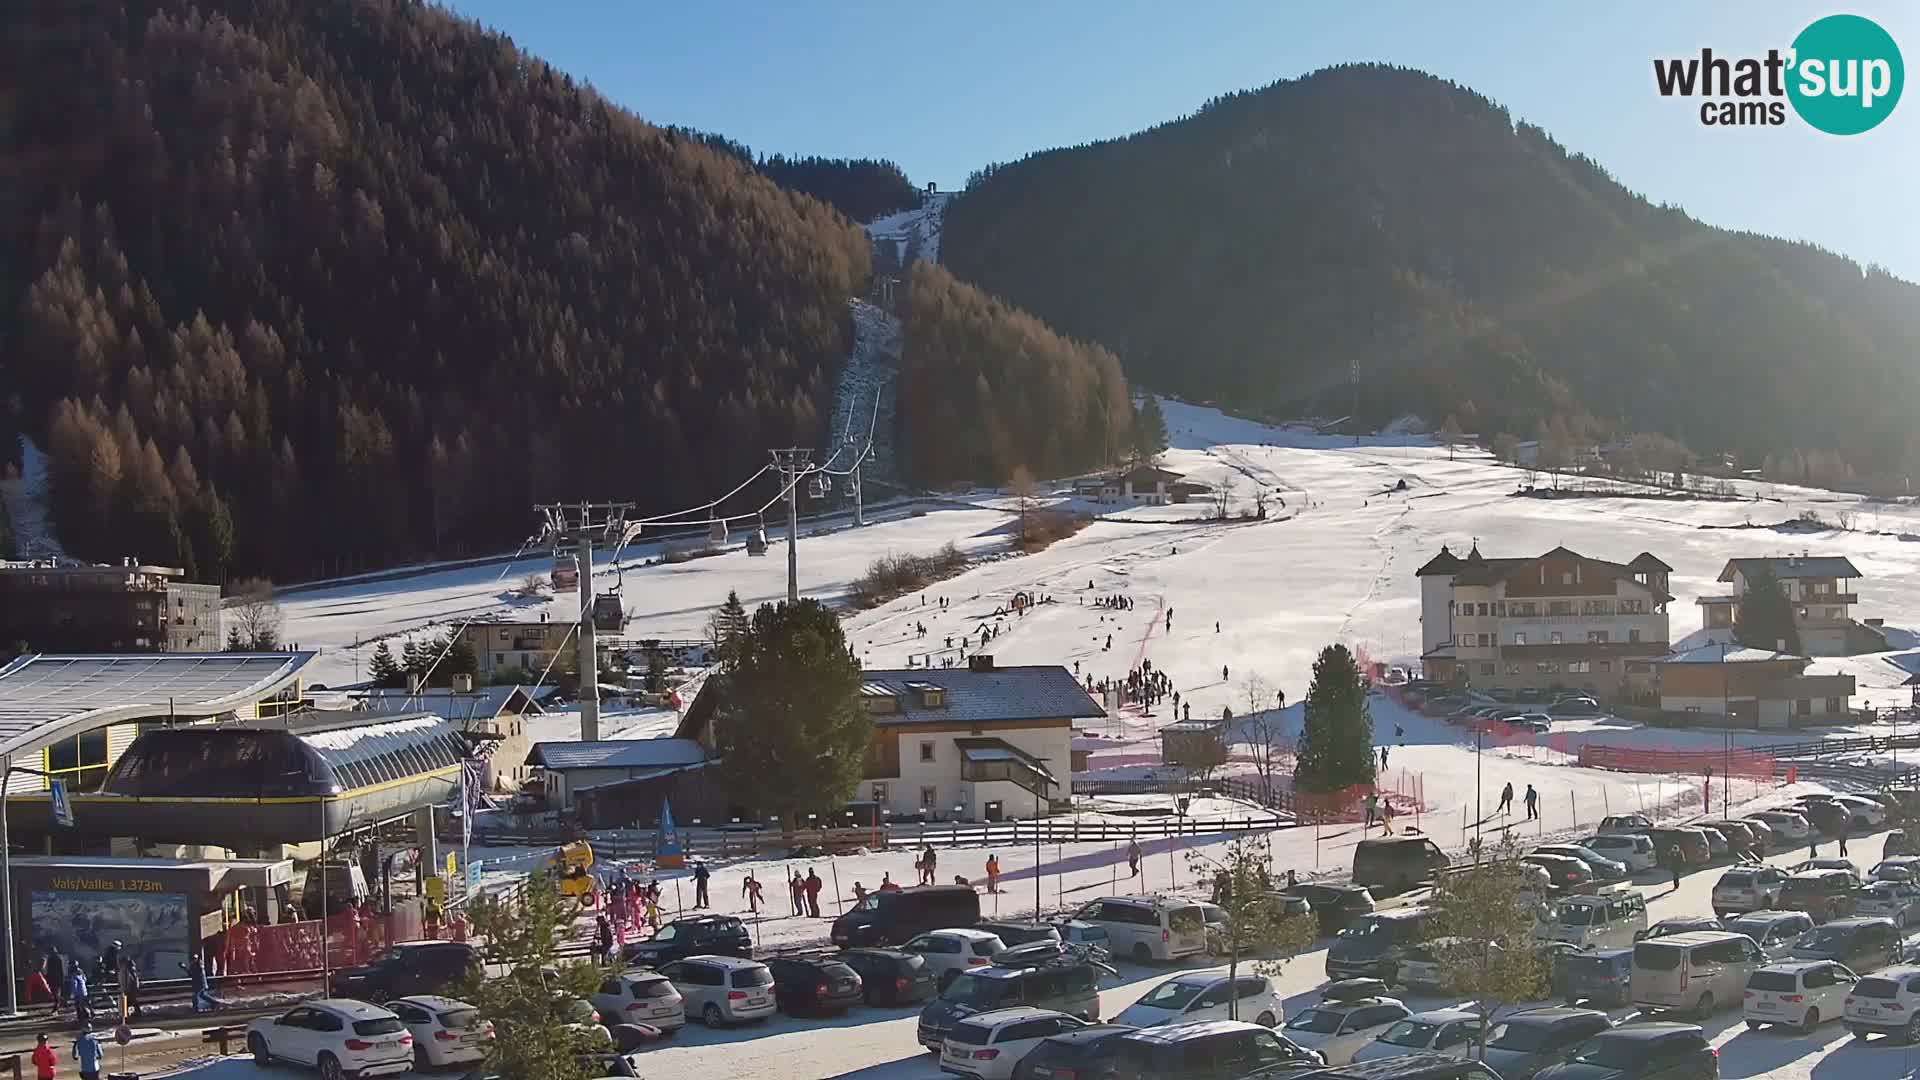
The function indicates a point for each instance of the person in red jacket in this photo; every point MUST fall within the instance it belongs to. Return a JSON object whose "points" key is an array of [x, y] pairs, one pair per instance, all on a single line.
{"points": [[44, 1059]]}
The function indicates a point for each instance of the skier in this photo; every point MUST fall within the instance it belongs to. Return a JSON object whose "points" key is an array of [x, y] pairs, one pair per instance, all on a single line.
{"points": [[1109, 645], [1187, 713], [1223, 673], [1169, 620], [1506, 799], [1216, 626], [1533, 803]]}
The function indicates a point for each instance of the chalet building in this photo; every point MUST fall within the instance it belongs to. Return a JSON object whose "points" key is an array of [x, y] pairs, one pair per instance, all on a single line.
{"points": [[1145, 485], [527, 646], [1821, 591], [1560, 620], [124, 607], [1732, 685]]}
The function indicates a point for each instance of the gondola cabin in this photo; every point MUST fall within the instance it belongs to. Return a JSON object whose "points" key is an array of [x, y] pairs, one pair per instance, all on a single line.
{"points": [[607, 613], [566, 573]]}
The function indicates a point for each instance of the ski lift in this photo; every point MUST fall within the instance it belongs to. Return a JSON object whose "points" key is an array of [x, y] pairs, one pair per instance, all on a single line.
{"points": [[818, 486], [566, 571], [757, 540], [607, 613], [717, 532]]}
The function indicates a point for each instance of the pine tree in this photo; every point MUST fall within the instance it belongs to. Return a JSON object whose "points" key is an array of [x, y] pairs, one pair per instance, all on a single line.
{"points": [[792, 730], [1149, 429], [1764, 619], [413, 659], [1336, 736], [234, 644], [383, 672], [460, 659], [656, 670], [727, 625]]}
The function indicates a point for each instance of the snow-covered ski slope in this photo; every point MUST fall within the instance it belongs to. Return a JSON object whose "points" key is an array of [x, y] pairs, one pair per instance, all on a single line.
{"points": [[917, 231], [1333, 562]]}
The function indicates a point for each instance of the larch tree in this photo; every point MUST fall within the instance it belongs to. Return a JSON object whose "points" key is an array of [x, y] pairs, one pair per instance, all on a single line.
{"points": [[1481, 931]]}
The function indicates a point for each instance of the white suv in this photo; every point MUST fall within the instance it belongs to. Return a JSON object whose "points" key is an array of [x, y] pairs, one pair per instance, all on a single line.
{"points": [[950, 952], [1748, 888], [1340, 1026], [1886, 1002], [1145, 928], [641, 997], [1802, 993], [341, 1037], [1186, 998], [990, 1045]]}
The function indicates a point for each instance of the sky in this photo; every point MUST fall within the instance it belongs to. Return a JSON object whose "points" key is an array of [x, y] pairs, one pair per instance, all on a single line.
{"points": [[944, 89]]}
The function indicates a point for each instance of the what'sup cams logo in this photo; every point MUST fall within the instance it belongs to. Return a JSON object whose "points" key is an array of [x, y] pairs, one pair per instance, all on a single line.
{"points": [[1842, 75]]}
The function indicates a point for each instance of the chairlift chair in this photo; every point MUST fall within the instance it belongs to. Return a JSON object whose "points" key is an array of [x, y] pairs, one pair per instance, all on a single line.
{"points": [[757, 540], [817, 487]]}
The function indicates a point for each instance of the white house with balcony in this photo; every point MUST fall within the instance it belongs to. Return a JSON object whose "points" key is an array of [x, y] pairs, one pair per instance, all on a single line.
{"points": [[1561, 620], [1821, 592]]}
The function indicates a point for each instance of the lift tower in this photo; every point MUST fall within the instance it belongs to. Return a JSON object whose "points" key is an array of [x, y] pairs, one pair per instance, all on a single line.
{"points": [[582, 525]]}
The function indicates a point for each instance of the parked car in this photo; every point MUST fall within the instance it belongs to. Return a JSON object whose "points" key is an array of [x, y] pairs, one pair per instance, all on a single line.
{"points": [[1896, 843], [1886, 1002], [1605, 921], [1827, 817], [1575, 708], [1535, 1039], [1691, 844], [1375, 944], [723, 989], [641, 997], [1743, 835], [1147, 928], [893, 917], [1896, 900], [819, 985], [1084, 934], [341, 1037], [1602, 976], [1641, 1052], [700, 935], [445, 1031], [1604, 869], [1789, 827], [1088, 1053], [1334, 905], [891, 977], [407, 968], [1425, 966], [1864, 814], [1677, 924], [1397, 863], [1350, 1015], [1625, 823], [1209, 1049], [1635, 849], [1863, 944], [1748, 888], [1013, 933], [1896, 868], [1565, 873], [950, 952], [1206, 996], [1538, 723], [1829, 862], [1070, 986], [1696, 972], [988, 1046], [1718, 846], [1775, 932], [1801, 993], [1823, 894], [1440, 1031], [1769, 840]]}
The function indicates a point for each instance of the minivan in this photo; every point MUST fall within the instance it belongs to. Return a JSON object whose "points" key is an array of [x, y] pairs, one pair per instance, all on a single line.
{"points": [[1373, 945], [1698, 971], [1067, 987], [1862, 944], [1206, 1050], [1149, 927], [1604, 921], [892, 917], [1397, 863]]}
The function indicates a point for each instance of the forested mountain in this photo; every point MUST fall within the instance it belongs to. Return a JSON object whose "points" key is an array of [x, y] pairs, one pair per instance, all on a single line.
{"points": [[358, 281], [1256, 251], [861, 188], [985, 388]]}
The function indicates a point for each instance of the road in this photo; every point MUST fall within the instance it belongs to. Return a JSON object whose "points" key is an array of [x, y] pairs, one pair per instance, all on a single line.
{"points": [[878, 1044]]}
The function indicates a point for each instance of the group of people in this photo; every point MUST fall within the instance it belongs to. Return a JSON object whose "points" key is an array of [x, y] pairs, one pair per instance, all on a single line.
{"points": [[1116, 602], [805, 890], [87, 1053], [1148, 687], [1532, 798], [1380, 808], [59, 981]]}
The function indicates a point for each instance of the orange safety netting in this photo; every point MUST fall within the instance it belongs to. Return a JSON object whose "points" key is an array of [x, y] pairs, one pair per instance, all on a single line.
{"points": [[1684, 762]]}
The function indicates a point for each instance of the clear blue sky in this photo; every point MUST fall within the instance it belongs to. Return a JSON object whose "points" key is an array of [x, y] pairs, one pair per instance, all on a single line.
{"points": [[946, 88]]}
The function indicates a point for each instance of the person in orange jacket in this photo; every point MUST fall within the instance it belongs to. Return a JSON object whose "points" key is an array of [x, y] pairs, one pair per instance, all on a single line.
{"points": [[993, 872]]}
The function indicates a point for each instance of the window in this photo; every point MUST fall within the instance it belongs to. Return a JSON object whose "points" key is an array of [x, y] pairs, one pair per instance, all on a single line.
{"points": [[1486, 669], [1633, 607], [1513, 669], [1554, 638], [1597, 637], [1803, 707], [1466, 641], [1547, 667], [880, 794], [1606, 665], [1519, 638], [1524, 609], [79, 762], [1483, 640], [1500, 608], [1579, 667], [926, 751], [1566, 577], [1633, 635], [1836, 705], [505, 636], [1596, 607], [1483, 609], [1638, 667], [929, 797]]}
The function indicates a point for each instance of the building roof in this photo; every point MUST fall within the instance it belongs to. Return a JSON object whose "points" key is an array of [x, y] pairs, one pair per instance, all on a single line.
{"points": [[1794, 566], [1486, 571], [617, 754], [1151, 472], [1727, 599], [1712, 654], [1646, 561], [1038, 692], [1444, 563], [1476, 569], [484, 702], [47, 697]]}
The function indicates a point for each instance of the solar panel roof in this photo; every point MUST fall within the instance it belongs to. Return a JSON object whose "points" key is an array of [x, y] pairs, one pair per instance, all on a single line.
{"points": [[43, 697]]}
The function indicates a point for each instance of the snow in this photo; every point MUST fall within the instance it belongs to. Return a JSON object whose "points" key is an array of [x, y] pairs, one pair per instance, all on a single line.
{"points": [[869, 374], [26, 499], [917, 231]]}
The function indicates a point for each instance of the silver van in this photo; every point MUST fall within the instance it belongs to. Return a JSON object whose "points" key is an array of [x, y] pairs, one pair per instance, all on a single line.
{"points": [[1609, 920], [1144, 928], [1698, 971]]}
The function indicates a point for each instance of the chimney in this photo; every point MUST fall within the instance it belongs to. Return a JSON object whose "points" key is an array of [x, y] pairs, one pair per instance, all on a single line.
{"points": [[463, 683], [414, 682], [979, 662]]}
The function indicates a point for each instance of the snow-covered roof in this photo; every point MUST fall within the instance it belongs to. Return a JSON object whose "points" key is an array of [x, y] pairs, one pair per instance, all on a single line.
{"points": [[484, 702], [1039, 692], [1712, 654], [617, 754], [47, 697], [1794, 566], [1716, 599]]}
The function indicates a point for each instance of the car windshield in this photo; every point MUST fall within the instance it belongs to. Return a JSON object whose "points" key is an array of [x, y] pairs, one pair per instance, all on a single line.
{"points": [[1739, 879], [976, 992], [1800, 888], [1612, 1053], [1410, 1033], [1525, 1038], [1578, 915], [1317, 1021], [1172, 995], [382, 1025], [1655, 957], [1585, 964], [1822, 937]]}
